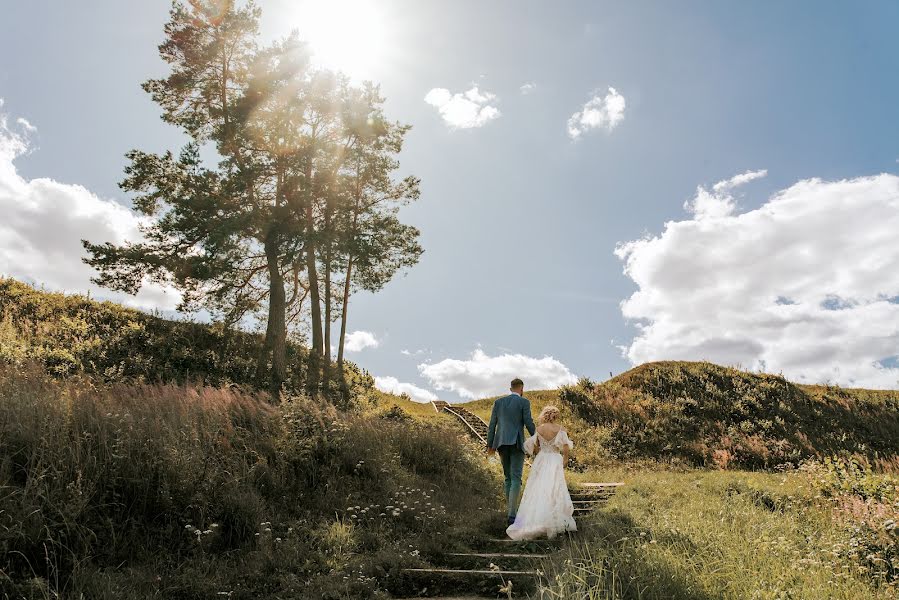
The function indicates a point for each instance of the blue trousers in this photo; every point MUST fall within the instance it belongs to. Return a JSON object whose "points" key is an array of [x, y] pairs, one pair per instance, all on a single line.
{"points": [[512, 458]]}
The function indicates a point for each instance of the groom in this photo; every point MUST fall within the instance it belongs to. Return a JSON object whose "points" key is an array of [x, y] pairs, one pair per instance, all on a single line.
{"points": [[509, 416]]}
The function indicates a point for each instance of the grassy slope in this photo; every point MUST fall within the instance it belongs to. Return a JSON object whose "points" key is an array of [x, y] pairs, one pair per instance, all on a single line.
{"points": [[694, 534], [74, 335], [137, 491], [728, 535], [703, 413], [705, 534]]}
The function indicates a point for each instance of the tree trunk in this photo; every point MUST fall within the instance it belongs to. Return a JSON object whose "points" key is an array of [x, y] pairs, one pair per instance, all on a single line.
{"points": [[346, 292], [266, 350], [277, 316], [315, 355], [346, 301], [327, 323]]}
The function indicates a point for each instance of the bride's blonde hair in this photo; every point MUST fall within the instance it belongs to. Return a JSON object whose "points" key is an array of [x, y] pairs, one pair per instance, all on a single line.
{"points": [[549, 414]]}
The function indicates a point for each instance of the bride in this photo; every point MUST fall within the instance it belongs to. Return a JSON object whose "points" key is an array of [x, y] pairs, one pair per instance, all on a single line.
{"points": [[546, 506]]}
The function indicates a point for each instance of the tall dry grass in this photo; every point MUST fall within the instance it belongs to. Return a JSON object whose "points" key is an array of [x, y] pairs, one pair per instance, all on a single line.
{"points": [[130, 491]]}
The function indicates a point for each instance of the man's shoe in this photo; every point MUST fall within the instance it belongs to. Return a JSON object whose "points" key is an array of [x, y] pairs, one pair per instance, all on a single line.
{"points": [[511, 519]]}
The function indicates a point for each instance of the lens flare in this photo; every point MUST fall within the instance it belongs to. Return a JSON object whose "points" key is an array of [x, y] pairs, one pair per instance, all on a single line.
{"points": [[345, 35]]}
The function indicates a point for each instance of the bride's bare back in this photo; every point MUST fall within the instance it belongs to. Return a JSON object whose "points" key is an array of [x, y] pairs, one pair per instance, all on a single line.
{"points": [[548, 430]]}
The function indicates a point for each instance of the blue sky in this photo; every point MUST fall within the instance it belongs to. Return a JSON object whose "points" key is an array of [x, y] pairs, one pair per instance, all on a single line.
{"points": [[519, 221]]}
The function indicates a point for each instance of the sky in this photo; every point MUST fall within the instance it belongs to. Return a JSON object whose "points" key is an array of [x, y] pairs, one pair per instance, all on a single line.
{"points": [[603, 183]]}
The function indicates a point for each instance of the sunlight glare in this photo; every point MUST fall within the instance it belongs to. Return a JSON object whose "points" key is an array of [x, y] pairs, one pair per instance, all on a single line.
{"points": [[344, 35]]}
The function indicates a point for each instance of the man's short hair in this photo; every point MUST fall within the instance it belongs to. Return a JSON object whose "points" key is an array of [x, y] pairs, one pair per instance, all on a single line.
{"points": [[516, 383]]}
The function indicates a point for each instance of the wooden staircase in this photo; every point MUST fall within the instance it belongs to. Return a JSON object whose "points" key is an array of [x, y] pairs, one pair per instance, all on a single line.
{"points": [[483, 570], [588, 496], [473, 423], [490, 563]]}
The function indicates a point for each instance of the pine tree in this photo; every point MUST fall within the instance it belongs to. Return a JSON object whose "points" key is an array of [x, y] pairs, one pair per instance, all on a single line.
{"points": [[225, 236], [301, 192]]}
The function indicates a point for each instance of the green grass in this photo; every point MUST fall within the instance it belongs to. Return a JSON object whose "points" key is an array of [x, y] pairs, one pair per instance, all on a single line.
{"points": [[75, 335], [729, 535], [699, 414], [703, 414]]}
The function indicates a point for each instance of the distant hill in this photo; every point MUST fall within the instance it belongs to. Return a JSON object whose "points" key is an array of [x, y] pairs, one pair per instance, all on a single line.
{"points": [[74, 335], [709, 414], [704, 414]]}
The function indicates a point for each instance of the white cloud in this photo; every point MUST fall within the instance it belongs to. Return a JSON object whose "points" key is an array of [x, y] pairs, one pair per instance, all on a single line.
{"points": [[24, 123], [484, 375], [600, 112], [720, 202], [44, 222], [360, 340], [806, 285], [464, 110], [528, 88], [407, 352], [392, 385]]}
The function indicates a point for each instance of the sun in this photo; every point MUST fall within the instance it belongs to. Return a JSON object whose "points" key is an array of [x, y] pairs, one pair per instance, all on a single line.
{"points": [[345, 35]]}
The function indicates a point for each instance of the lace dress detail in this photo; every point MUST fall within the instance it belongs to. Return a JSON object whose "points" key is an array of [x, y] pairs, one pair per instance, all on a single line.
{"points": [[546, 509]]}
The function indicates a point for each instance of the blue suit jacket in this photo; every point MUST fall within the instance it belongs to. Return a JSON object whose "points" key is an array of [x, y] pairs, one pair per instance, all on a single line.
{"points": [[510, 415]]}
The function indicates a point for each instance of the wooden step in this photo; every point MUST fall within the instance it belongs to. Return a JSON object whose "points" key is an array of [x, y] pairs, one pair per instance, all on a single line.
{"points": [[556, 540], [497, 555], [475, 572]]}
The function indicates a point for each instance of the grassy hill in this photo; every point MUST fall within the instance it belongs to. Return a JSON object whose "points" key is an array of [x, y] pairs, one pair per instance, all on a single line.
{"points": [[74, 335], [702, 414], [706, 414], [824, 529], [131, 491], [122, 476]]}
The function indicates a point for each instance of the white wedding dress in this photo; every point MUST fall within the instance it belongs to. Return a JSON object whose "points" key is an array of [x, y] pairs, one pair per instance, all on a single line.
{"points": [[546, 509]]}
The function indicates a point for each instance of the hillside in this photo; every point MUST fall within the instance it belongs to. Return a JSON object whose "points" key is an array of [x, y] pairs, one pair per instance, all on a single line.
{"points": [[120, 481], [74, 335], [704, 414]]}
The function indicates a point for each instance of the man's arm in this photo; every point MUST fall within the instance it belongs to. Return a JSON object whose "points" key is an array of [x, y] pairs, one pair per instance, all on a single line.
{"points": [[527, 418], [491, 429]]}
